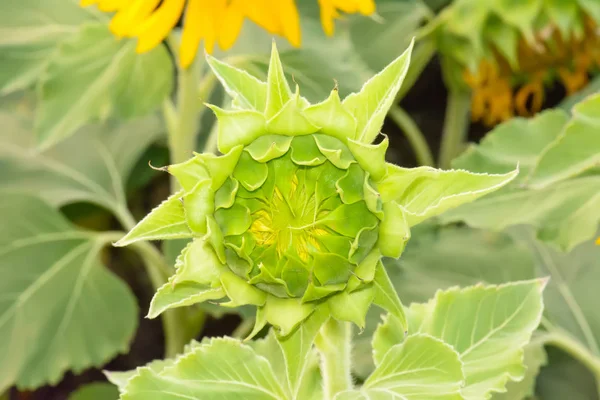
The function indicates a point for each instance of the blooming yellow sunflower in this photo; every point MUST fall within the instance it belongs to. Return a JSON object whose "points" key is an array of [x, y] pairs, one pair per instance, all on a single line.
{"points": [[215, 21]]}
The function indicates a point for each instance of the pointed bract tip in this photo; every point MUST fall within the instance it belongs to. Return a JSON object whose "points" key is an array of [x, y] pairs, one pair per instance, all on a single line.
{"points": [[163, 169], [543, 282]]}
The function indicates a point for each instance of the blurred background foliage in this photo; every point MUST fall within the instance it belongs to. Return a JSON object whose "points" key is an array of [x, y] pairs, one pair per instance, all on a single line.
{"points": [[81, 115]]}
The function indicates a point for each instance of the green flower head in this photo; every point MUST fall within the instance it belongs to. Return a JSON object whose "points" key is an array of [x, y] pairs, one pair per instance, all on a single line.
{"points": [[298, 211]]}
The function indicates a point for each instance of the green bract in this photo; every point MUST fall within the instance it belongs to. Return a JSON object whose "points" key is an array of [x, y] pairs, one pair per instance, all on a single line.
{"points": [[301, 207]]}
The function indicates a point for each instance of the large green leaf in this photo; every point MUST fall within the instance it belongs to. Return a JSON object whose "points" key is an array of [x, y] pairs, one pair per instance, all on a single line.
{"points": [[559, 191], [571, 303], [443, 257], [221, 368], [422, 367], [534, 358], [30, 31], [487, 325], [60, 308], [93, 76], [91, 166]]}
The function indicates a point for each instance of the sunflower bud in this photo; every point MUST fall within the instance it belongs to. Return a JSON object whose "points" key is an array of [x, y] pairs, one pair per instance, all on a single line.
{"points": [[298, 211]]}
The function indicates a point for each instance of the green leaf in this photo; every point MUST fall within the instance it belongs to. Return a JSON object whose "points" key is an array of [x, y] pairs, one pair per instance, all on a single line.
{"points": [[575, 150], [120, 378], [293, 357], [166, 221], [488, 326], [371, 104], [422, 367], [387, 298], [425, 192], [558, 194], [440, 258], [219, 368], [65, 311], [570, 298], [566, 378], [96, 391], [91, 166], [93, 76], [247, 91], [31, 31], [534, 359]]}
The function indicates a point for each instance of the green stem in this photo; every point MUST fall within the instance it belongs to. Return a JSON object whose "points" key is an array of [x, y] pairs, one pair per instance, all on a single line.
{"points": [[456, 125], [178, 324], [334, 342], [574, 348], [183, 119], [413, 134]]}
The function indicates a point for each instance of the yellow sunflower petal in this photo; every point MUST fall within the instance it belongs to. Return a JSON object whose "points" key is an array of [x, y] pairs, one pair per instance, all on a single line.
{"points": [[85, 3], [128, 18], [192, 32], [232, 23], [290, 21], [263, 14], [112, 5], [328, 14], [157, 27]]}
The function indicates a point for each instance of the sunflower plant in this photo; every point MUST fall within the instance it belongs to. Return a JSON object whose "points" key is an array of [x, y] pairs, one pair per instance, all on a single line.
{"points": [[303, 253], [294, 219]]}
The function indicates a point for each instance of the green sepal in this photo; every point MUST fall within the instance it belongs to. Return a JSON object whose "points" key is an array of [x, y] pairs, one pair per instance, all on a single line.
{"points": [[331, 269], [332, 117], [214, 236], [260, 321], [278, 90], [266, 282], [314, 292], [353, 307], [234, 220], [372, 198], [241, 292], [199, 263], [304, 151], [349, 219], [394, 231], [199, 204], [290, 120], [188, 173], [237, 127], [225, 196], [286, 314], [247, 91], [295, 276], [183, 294], [166, 221], [371, 157], [371, 104], [362, 244], [365, 271], [250, 173], [350, 186], [336, 152], [386, 296], [221, 167], [268, 147]]}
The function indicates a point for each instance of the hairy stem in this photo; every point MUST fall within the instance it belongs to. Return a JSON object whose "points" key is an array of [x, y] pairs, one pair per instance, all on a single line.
{"points": [[334, 342], [183, 118], [413, 134], [573, 347], [456, 125]]}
